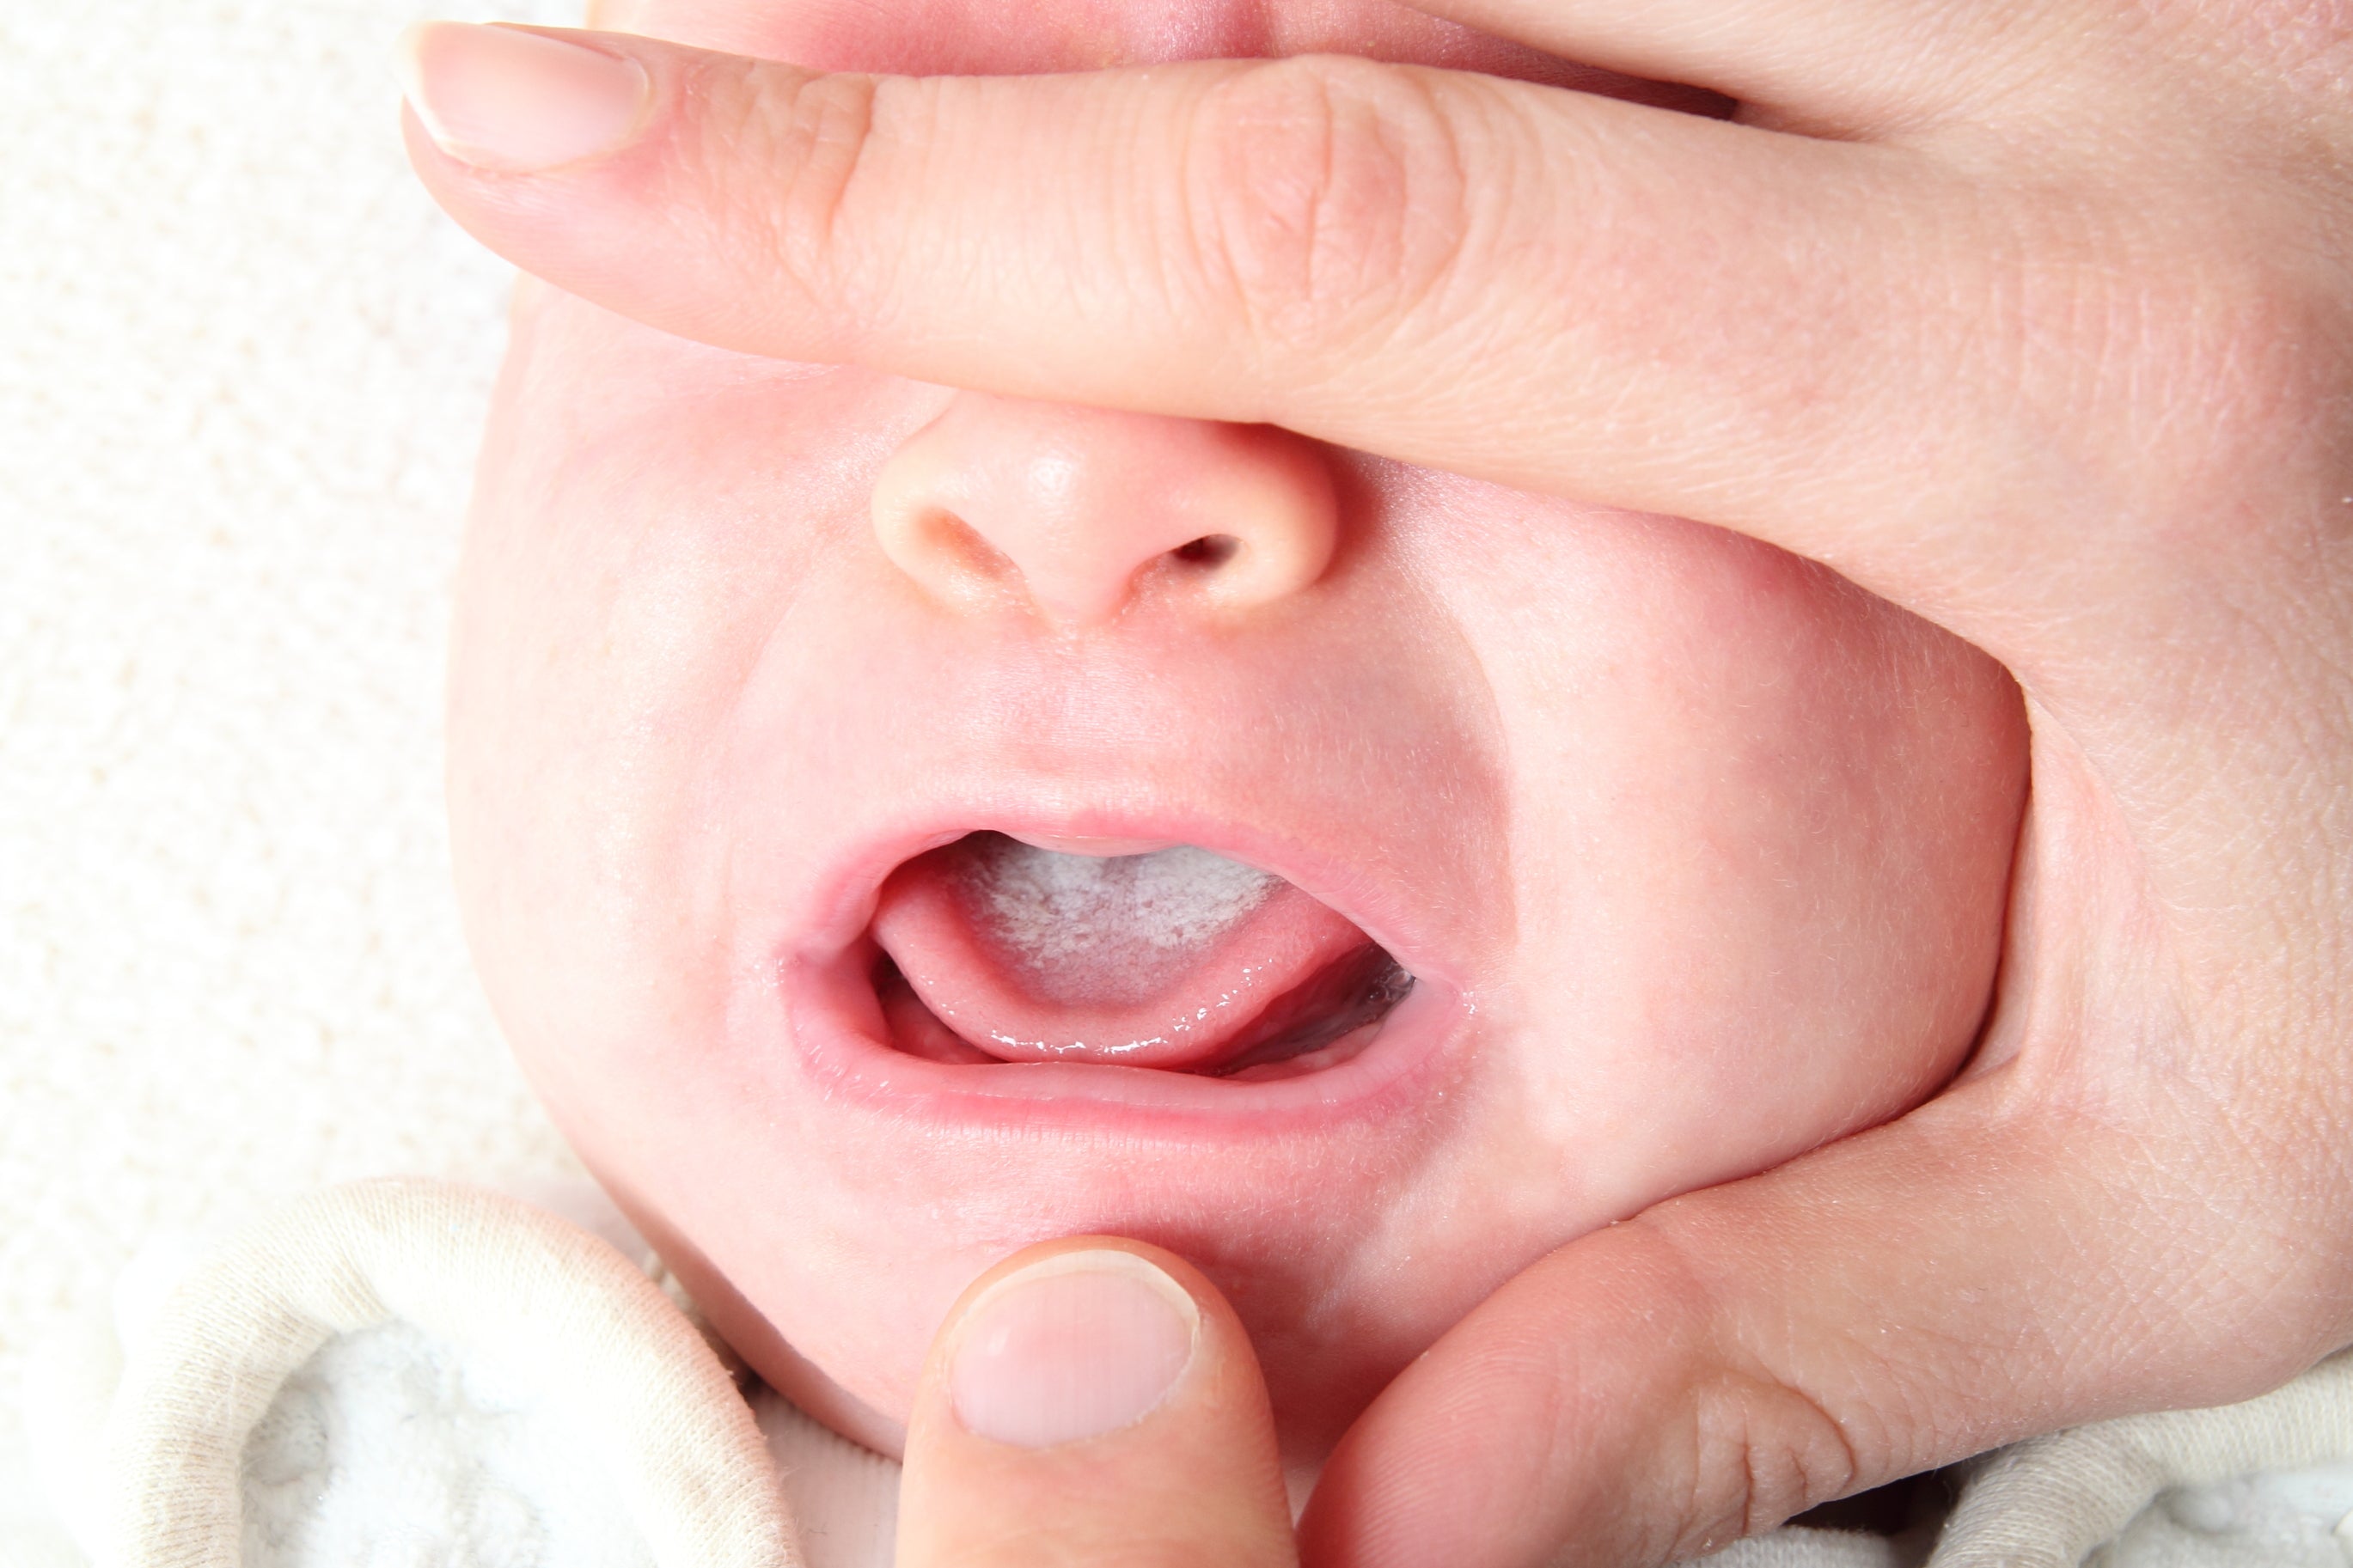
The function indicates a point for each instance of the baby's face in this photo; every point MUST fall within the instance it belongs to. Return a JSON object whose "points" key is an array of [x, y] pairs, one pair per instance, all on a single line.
{"points": [[1617, 856]]}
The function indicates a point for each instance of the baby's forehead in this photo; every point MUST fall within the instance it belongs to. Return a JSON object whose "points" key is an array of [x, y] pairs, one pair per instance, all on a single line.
{"points": [[1009, 36]]}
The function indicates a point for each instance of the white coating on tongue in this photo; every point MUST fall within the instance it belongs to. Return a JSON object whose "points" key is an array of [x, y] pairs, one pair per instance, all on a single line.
{"points": [[1097, 926]]}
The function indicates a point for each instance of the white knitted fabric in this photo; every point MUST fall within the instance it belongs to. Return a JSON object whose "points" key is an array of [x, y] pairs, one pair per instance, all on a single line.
{"points": [[571, 1329], [407, 1372], [2265, 1480]]}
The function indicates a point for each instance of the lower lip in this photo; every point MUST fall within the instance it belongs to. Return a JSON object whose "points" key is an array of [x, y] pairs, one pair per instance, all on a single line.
{"points": [[831, 1016]]}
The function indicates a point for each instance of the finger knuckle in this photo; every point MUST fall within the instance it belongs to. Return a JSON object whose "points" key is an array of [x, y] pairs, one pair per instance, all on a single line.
{"points": [[2248, 348], [2228, 358], [781, 155], [1326, 196], [1764, 1450]]}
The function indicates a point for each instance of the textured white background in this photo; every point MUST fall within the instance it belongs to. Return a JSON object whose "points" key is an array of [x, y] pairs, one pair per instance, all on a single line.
{"points": [[242, 365]]}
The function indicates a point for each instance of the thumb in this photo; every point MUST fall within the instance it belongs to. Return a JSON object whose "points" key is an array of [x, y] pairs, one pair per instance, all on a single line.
{"points": [[1994, 1265], [1093, 1400]]}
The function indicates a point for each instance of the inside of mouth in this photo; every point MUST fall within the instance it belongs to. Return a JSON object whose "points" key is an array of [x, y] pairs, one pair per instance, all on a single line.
{"points": [[991, 950]]}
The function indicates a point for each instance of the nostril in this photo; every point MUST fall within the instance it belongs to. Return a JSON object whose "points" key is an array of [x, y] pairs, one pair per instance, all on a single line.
{"points": [[1078, 511], [974, 568], [1209, 549], [960, 539]]}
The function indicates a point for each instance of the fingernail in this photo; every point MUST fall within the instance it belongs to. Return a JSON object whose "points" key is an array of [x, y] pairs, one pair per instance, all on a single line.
{"points": [[517, 103], [1081, 1344]]}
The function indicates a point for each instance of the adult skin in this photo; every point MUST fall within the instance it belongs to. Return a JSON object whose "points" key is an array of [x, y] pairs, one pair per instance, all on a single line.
{"points": [[2032, 317]]}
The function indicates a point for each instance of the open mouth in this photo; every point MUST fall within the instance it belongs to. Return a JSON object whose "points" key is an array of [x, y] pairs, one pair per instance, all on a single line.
{"points": [[992, 950]]}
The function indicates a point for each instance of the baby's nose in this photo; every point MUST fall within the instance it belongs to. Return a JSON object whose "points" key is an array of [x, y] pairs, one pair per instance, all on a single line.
{"points": [[1081, 512]]}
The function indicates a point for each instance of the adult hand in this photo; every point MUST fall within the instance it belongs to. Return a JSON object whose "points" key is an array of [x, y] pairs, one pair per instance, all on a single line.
{"points": [[1092, 1401], [2031, 317]]}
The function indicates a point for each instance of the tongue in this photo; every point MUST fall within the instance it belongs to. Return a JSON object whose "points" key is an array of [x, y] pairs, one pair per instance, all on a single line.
{"points": [[1162, 960]]}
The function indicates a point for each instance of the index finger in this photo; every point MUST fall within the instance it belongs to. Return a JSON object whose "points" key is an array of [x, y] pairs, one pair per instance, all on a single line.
{"points": [[1547, 288]]}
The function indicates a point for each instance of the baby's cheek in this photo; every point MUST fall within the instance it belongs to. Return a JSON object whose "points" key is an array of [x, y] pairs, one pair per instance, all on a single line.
{"points": [[1763, 826], [643, 518]]}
